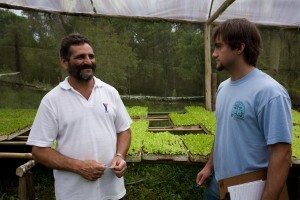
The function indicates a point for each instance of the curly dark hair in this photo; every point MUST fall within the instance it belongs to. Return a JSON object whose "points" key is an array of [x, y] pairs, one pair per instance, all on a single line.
{"points": [[68, 41]]}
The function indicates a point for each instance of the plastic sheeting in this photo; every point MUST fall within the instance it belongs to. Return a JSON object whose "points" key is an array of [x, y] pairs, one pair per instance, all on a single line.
{"points": [[272, 12]]}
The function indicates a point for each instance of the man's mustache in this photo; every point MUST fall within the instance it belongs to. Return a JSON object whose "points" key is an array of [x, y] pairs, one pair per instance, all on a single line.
{"points": [[87, 66]]}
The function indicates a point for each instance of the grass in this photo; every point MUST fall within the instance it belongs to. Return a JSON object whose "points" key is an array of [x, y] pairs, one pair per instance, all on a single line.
{"points": [[12, 120], [143, 181], [162, 181], [296, 116]]}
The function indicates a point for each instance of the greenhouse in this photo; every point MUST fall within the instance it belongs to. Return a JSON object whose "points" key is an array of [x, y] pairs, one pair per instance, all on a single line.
{"points": [[158, 55]]}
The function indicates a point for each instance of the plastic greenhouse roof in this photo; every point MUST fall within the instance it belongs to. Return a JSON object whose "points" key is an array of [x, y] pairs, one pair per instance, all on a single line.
{"points": [[264, 12]]}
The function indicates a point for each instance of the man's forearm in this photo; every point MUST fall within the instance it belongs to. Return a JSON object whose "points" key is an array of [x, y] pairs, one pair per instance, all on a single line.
{"points": [[278, 170], [210, 161], [206, 172], [53, 159], [123, 142]]}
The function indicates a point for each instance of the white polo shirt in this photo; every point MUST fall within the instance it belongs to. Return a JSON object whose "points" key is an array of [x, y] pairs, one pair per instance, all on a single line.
{"points": [[85, 130]]}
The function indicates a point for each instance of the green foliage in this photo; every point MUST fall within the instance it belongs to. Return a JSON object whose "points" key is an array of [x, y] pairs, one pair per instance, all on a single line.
{"points": [[185, 119], [137, 111], [142, 181], [296, 131], [198, 144], [296, 117], [162, 181], [296, 147], [196, 115], [20, 98], [296, 134], [163, 143], [210, 122], [12, 120], [135, 147], [295, 92], [135, 56], [206, 117], [195, 109], [111, 40], [54, 145], [140, 126], [296, 142], [188, 57], [138, 130]]}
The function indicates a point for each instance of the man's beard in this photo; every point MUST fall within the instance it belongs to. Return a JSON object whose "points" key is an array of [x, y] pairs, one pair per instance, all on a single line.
{"points": [[76, 71], [221, 67]]}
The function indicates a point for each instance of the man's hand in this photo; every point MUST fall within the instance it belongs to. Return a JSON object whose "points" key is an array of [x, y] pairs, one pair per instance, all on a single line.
{"points": [[203, 175], [118, 166], [91, 170]]}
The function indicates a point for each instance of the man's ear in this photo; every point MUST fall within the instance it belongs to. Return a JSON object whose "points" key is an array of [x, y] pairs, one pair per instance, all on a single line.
{"points": [[64, 63], [240, 50]]}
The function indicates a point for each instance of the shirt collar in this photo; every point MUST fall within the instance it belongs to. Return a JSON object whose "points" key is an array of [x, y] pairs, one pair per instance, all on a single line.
{"points": [[253, 73], [66, 85]]}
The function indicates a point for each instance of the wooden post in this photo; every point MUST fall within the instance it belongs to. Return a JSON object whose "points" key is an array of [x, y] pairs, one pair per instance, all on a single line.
{"points": [[16, 155], [207, 67], [222, 8], [23, 138], [26, 188], [12, 143], [213, 90]]}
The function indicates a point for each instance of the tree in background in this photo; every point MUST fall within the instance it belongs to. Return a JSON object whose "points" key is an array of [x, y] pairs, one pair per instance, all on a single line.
{"points": [[138, 57], [14, 36], [189, 55]]}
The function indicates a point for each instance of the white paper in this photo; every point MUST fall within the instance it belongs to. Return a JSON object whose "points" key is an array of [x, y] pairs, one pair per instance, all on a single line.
{"points": [[247, 191]]}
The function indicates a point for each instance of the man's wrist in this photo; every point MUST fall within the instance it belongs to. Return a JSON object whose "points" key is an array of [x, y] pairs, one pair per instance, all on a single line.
{"points": [[120, 155]]}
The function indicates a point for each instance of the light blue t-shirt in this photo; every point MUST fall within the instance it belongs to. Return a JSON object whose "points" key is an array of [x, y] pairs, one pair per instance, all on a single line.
{"points": [[252, 113]]}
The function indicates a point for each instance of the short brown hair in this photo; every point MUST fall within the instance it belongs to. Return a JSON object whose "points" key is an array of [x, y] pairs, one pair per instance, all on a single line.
{"points": [[234, 32], [68, 41]]}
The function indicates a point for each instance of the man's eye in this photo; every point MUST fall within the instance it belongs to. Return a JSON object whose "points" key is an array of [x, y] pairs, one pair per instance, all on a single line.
{"points": [[80, 57]]}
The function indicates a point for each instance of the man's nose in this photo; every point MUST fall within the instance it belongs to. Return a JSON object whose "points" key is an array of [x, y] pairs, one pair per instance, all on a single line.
{"points": [[214, 53], [87, 60]]}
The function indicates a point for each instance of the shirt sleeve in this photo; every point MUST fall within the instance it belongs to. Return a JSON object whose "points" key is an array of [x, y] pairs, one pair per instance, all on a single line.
{"points": [[45, 127], [123, 120], [275, 120]]}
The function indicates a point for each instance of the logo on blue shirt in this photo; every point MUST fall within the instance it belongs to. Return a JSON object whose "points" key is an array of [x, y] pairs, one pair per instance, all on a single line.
{"points": [[238, 110]]}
